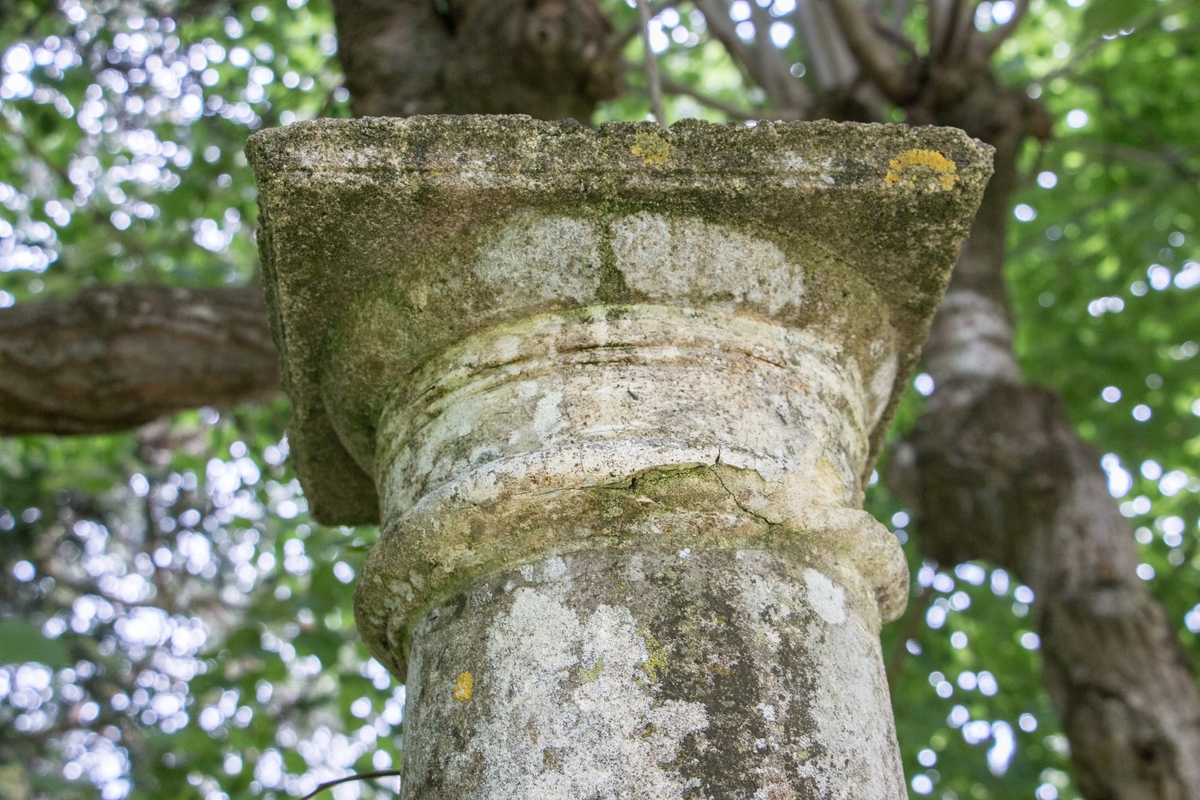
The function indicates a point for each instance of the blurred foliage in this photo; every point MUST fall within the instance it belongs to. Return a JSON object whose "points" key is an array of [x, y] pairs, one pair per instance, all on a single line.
{"points": [[173, 625]]}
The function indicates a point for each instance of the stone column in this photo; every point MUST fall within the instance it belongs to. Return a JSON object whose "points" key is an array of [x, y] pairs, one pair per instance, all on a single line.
{"points": [[613, 397]]}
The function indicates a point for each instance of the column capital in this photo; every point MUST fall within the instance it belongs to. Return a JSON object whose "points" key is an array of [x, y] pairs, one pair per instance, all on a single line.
{"points": [[388, 242]]}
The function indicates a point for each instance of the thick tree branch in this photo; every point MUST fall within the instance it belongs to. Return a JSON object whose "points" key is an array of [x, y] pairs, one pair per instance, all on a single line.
{"points": [[545, 58], [550, 59], [873, 54], [109, 359]]}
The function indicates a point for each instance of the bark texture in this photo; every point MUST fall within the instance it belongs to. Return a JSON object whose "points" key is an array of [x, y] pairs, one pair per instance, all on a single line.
{"points": [[996, 471], [1004, 477], [113, 358], [547, 58]]}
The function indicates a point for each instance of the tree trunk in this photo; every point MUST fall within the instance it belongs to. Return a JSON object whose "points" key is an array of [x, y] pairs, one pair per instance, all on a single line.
{"points": [[995, 470], [1003, 476]]}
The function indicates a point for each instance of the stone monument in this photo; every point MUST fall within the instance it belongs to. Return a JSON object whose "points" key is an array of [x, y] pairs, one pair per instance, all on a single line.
{"points": [[613, 397]]}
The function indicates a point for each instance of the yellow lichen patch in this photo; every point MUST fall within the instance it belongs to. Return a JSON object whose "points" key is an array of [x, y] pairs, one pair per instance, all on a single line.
{"points": [[911, 165], [586, 676], [656, 656], [463, 686], [651, 147]]}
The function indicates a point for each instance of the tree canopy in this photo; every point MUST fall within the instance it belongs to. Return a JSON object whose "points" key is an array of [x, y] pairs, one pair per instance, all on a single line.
{"points": [[172, 624]]}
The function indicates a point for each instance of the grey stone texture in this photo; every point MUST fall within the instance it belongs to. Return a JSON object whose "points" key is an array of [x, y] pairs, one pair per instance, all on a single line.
{"points": [[614, 396], [706, 673]]}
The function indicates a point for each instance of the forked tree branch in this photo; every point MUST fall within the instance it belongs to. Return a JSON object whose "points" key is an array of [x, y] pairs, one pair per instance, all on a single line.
{"points": [[770, 71], [874, 56]]}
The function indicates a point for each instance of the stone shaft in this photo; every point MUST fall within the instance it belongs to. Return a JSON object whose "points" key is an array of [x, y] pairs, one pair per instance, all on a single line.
{"points": [[720, 673]]}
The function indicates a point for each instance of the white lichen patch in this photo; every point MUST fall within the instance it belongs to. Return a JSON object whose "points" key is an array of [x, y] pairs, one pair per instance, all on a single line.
{"points": [[552, 736], [857, 755], [691, 261], [826, 598], [767, 602], [555, 570], [550, 257], [802, 172], [548, 414], [846, 750]]}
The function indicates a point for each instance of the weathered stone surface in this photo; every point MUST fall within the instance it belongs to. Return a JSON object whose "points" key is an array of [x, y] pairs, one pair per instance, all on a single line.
{"points": [[655, 674], [624, 427], [393, 239], [615, 396]]}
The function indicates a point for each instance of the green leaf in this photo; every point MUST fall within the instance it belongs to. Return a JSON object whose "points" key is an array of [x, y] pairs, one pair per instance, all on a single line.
{"points": [[1110, 16], [21, 641]]}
